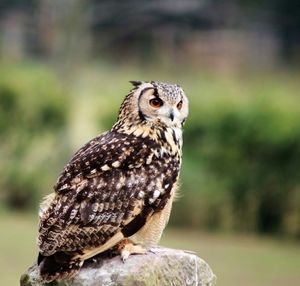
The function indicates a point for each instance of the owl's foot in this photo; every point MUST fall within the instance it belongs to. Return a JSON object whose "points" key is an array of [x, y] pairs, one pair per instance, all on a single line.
{"points": [[126, 248]]}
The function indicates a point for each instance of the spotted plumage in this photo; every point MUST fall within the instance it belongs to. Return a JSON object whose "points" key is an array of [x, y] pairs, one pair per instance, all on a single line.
{"points": [[117, 190]]}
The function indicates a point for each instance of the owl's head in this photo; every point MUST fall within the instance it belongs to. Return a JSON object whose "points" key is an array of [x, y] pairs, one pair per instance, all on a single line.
{"points": [[155, 103]]}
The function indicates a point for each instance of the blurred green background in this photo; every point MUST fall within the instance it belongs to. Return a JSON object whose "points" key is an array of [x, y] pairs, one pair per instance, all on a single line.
{"points": [[64, 70]]}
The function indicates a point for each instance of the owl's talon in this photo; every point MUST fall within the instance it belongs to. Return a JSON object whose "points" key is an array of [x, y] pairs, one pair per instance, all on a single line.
{"points": [[124, 255], [152, 251], [126, 248]]}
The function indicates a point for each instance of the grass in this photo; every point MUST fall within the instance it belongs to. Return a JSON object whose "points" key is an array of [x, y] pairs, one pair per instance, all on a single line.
{"points": [[17, 246], [235, 259]]}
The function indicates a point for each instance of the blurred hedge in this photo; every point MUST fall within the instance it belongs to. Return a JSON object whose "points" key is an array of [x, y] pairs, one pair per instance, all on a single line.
{"points": [[241, 155], [33, 120], [241, 142], [242, 160]]}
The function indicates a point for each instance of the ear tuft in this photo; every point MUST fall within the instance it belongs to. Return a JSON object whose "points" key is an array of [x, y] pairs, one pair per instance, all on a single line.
{"points": [[136, 83]]}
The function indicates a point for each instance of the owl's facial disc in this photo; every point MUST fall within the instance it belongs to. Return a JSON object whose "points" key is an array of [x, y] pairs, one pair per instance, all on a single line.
{"points": [[157, 104]]}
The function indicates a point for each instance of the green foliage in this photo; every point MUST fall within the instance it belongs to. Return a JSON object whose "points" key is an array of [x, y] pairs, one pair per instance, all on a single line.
{"points": [[242, 161], [241, 141], [33, 117], [241, 155]]}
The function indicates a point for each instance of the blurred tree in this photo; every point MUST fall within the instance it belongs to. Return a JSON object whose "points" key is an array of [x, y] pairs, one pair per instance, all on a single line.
{"points": [[19, 4], [287, 23], [62, 31], [69, 30]]}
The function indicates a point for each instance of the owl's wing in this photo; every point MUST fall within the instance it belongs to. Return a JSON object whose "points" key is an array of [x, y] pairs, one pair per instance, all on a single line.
{"points": [[106, 193], [96, 156]]}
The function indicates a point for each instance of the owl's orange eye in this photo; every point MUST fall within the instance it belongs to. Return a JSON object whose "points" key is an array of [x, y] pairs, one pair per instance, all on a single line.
{"points": [[179, 105], [156, 102]]}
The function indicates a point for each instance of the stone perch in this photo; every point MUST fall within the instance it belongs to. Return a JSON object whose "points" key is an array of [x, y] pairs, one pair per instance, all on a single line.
{"points": [[160, 266]]}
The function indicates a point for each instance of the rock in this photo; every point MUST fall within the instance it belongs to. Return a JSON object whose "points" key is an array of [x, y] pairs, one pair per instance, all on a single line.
{"points": [[160, 266]]}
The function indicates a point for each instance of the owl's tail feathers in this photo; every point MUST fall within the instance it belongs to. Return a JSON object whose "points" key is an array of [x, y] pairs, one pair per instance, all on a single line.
{"points": [[60, 265]]}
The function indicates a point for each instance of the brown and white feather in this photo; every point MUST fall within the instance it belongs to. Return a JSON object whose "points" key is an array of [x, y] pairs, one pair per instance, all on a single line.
{"points": [[119, 185]]}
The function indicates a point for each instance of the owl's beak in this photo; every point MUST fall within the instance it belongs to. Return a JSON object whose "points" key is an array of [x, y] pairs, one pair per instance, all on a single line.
{"points": [[171, 115]]}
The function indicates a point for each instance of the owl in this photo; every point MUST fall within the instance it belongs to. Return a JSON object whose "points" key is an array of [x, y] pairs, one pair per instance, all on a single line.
{"points": [[117, 190]]}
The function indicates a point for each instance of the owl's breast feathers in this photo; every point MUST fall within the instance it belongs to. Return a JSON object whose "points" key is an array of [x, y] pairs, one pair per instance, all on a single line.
{"points": [[108, 191]]}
